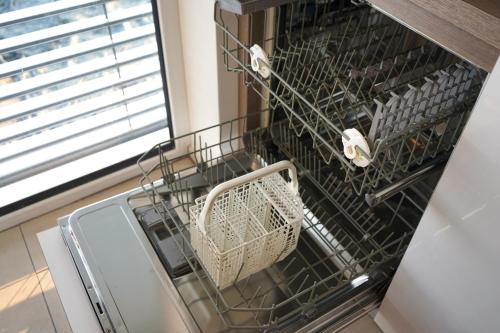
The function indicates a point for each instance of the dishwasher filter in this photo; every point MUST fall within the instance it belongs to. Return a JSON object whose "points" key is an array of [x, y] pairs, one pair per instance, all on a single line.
{"points": [[247, 223]]}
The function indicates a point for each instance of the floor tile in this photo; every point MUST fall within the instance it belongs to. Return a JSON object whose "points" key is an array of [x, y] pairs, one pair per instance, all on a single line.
{"points": [[14, 259], [29, 230], [22, 307], [22, 304], [53, 301]]}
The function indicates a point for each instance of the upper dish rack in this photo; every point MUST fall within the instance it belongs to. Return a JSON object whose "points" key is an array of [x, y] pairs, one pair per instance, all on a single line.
{"points": [[373, 96]]}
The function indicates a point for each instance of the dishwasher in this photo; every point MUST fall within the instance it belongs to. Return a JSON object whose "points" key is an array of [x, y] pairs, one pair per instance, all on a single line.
{"points": [[367, 110]]}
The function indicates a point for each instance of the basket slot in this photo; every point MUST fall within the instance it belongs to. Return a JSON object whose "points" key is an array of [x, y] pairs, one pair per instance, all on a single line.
{"points": [[240, 235]]}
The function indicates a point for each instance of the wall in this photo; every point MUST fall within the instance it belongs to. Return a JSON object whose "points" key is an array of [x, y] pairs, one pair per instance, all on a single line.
{"points": [[211, 91], [174, 65], [448, 278]]}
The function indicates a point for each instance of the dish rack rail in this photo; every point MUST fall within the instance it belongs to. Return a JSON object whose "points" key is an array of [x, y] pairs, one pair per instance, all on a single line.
{"points": [[352, 249], [335, 66]]}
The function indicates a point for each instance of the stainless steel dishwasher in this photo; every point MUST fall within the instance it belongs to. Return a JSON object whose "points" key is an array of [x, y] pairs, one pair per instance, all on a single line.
{"points": [[366, 109]]}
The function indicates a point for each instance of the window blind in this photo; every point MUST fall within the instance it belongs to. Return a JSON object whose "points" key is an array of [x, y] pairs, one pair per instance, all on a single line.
{"points": [[76, 77]]}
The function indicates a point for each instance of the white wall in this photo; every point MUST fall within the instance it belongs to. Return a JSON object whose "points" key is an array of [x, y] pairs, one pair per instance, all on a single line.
{"points": [[211, 92], [174, 65], [448, 279]]}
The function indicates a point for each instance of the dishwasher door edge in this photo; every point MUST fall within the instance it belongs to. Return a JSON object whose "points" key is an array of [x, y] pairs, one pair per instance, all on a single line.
{"points": [[109, 296]]}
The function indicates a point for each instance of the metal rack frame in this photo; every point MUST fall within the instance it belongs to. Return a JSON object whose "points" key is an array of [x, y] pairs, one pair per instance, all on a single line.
{"points": [[352, 248], [329, 74]]}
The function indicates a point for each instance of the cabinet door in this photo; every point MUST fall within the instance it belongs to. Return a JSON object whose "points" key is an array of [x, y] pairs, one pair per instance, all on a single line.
{"points": [[448, 280]]}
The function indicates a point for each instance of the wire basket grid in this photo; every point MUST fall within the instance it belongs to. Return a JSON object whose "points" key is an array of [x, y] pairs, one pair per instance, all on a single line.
{"points": [[247, 223]]}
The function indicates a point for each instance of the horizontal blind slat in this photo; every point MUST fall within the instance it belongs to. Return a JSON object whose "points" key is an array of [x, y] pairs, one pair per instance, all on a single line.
{"points": [[72, 155], [76, 71], [75, 50], [71, 130], [90, 136], [72, 113], [64, 30], [34, 12], [51, 99]]}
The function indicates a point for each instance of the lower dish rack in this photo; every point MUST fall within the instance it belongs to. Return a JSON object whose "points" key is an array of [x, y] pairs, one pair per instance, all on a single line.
{"points": [[347, 250]]}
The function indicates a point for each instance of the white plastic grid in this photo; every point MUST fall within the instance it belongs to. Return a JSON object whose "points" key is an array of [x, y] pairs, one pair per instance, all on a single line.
{"points": [[250, 226]]}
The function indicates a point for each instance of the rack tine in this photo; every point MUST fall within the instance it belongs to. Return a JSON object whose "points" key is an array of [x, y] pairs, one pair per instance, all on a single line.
{"points": [[271, 314], [313, 290], [239, 272], [255, 295], [302, 284], [289, 264], [261, 305]]}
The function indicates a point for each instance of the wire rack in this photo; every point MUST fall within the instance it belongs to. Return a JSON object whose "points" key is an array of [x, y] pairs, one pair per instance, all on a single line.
{"points": [[336, 66], [346, 251]]}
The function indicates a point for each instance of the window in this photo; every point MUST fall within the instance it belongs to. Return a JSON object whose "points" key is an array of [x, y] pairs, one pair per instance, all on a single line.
{"points": [[82, 88]]}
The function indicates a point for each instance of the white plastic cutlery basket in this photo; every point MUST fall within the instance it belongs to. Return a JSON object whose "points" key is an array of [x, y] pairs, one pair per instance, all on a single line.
{"points": [[247, 223]]}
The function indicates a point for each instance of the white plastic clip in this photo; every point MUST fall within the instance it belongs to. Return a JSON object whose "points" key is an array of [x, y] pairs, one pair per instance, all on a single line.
{"points": [[256, 54], [356, 139]]}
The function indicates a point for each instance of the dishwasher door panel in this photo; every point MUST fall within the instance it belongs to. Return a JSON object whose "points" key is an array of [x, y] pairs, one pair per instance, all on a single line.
{"points": [[127, 286]]}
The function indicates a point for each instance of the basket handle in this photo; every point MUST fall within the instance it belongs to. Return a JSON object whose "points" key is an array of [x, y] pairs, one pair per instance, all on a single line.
{"points": [[223, 187]]}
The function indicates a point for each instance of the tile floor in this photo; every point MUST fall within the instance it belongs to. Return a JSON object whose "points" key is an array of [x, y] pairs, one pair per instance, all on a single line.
{"points": [[29, 303]]}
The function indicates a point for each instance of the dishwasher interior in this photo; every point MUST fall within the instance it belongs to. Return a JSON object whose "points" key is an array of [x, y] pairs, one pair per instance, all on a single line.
{"points": [[331, 66], [347, 250]]}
